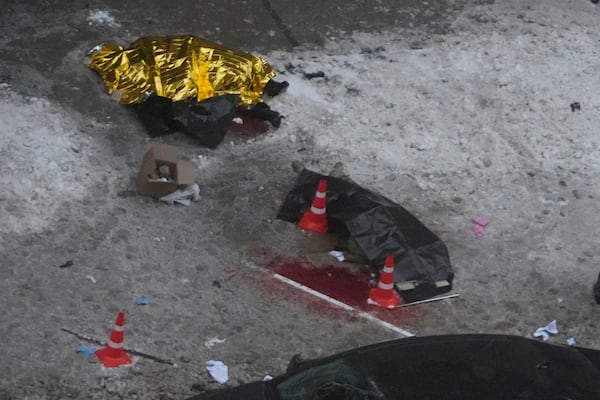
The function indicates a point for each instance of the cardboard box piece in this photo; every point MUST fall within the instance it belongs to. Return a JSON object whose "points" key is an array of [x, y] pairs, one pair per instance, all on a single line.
{"points": [[181, 172]]}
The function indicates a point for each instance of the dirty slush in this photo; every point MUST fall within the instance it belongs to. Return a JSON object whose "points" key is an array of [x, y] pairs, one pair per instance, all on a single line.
{"points": [[181, 216]]}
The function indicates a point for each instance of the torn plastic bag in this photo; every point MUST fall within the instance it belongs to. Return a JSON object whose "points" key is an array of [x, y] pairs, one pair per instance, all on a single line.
{"points": [[207, 120], [378, 226]]}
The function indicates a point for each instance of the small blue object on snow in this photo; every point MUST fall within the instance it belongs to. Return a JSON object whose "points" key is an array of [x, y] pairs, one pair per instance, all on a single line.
{"points": [[571, 341], [86, 350], [560, 300], [142, 301]]}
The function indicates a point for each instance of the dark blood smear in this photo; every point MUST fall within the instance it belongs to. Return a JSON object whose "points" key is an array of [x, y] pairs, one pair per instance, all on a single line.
{"points": [[351, 288]]}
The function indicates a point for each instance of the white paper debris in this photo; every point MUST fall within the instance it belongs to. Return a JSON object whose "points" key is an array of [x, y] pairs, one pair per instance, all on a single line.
{"points": [[90, 278], [546, 331], [337, 254], [267, 378], [571, 341], [212, 341], [218, 370], [183, 196], [238, 121]]}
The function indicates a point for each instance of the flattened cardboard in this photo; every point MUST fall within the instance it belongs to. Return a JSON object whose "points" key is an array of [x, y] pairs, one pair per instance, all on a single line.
{"points": [[182, 172]]}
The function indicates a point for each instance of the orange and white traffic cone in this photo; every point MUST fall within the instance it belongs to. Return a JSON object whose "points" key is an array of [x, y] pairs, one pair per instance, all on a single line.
{"points": [[383, 295], [315, 219], [113, 355]]}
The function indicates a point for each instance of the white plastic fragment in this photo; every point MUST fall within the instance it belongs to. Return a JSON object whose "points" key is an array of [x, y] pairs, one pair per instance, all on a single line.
{"points": [[546, 331], [90, 278], [337, 254], [183, 196], [238, 121], [571, 341], [212, 341], [267, 378], [218, 370]]}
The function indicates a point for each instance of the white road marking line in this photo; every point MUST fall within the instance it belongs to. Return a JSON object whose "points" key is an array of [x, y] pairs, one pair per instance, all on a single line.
{"points": [[345, 306]]}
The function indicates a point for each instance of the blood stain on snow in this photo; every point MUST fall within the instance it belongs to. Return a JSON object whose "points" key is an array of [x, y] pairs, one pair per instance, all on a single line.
{"points": [[348, 287]]}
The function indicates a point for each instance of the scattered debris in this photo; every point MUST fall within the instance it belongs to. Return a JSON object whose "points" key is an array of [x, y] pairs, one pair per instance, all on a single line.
{"points": [[67, 264], [180, 172], [571, 341], [218, 370], [546, 331], [267, 378], [414, 303], [212, 341], [575, 106], [90, 278], [339, 255], [479, 225], [159, 238], [183, 196], [86, 350], [560, 300], [312, 75], [142, 301]]}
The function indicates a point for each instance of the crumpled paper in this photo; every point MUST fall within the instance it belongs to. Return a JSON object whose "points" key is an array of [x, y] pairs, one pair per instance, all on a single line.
{"points": [[546, 331], [183, 196], [218, 370]]}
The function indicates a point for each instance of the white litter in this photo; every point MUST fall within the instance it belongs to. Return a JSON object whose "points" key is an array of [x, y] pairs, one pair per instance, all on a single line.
{"points": [[337, 254], [218, 370], [90, 278], [571, 341], [238, 121], [101, 17], [183, 196], [212, 341], [267, 378], [546, 331]]}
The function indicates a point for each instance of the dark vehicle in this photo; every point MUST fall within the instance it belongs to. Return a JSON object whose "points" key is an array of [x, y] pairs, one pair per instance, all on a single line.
{"points": [[456, 367]]}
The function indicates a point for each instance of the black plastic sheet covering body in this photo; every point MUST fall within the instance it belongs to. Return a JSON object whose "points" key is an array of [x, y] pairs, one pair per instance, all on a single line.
{"points": [[207, 120], [378, 225]]}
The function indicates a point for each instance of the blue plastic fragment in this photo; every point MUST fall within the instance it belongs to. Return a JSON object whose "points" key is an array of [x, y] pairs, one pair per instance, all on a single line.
{"points": [[86, 350], [142, 301]]}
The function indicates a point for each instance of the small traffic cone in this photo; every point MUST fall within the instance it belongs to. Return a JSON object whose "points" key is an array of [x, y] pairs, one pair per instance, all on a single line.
{"points": [[113, 355], [383, 295], [315, 218]]}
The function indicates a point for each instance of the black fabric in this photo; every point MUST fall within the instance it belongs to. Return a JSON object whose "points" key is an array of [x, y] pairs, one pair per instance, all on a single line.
{"points": [[273, 88], [262, 111], [379, 227], [207, 120]]}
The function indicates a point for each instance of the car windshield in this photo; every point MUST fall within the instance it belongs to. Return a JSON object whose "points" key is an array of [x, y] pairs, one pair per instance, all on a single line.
{"points": [[337, 380]]}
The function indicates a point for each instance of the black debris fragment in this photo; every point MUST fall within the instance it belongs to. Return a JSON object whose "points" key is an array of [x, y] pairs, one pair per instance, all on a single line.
{"points": [[66, 265], [312, 75], [575, 106]]}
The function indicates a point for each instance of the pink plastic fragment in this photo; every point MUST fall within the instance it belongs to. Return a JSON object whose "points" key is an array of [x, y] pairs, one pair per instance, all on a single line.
{"points": [[479, 224]]}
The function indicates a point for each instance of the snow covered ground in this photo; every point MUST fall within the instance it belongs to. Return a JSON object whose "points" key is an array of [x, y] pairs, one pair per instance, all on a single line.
{"points": [[473, 122]]}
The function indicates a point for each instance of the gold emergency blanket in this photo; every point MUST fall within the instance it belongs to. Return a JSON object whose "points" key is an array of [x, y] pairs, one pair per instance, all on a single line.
{"points": [[180, 68]]}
